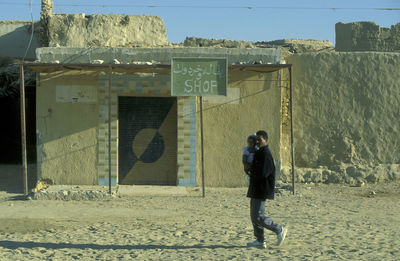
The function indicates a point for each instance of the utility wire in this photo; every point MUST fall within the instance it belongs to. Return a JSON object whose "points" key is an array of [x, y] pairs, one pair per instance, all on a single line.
{"points": [[218, 7], [211, 107], [33, 30]]}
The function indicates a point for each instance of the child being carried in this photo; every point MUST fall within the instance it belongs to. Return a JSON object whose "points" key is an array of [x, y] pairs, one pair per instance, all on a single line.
{"points": [[248, 153]]}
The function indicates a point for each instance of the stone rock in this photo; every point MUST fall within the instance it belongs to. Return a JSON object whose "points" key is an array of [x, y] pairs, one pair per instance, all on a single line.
{"points": [[372, 194], [372, 178], [334, 178], [285, 175], [97, 62], [360, 183], [351, 172], [287, 187]]}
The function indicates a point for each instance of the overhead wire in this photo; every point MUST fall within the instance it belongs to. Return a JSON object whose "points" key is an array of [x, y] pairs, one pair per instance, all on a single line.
{"points": [[229, 101], [217, 7], [32, 29], [200, 7]]}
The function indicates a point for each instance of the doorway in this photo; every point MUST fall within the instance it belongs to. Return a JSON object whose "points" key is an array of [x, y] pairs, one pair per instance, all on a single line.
{"points": [[11, 171], [147, 146]]}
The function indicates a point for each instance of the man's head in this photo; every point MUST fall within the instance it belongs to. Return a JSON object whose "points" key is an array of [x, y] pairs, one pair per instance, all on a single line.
{"points": [[262, 138]]}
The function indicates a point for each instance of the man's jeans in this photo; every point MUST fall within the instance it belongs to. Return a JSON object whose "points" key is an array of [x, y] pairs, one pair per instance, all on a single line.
{"points": [[260, 221]]}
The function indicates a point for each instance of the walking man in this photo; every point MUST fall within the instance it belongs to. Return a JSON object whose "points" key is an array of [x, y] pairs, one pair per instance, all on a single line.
{"points": [[261, 187]]}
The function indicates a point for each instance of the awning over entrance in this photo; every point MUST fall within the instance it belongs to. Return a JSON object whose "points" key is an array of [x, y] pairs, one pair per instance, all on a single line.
{"points": [[53, 67]]}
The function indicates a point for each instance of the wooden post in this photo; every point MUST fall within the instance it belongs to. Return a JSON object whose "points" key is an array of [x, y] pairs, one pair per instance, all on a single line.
{"points": [[109, 130], [23, 129], [291, 124], [202, 145]]}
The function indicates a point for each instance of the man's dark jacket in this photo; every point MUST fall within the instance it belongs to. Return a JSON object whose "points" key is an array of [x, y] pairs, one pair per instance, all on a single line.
{"points": [[262, 175]]}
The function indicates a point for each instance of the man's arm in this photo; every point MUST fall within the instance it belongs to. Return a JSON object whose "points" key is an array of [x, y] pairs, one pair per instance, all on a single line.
{"points": [[269, 166]]}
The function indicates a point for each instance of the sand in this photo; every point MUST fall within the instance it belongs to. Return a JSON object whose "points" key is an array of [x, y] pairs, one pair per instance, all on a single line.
{"points": [[326, 222]]}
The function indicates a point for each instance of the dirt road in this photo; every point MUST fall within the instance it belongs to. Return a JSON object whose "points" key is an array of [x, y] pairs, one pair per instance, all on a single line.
{"points": [[326, 222]]}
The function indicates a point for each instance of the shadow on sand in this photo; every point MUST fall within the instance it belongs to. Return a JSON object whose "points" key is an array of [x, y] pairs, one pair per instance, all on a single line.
{"points": [[17, 244]]}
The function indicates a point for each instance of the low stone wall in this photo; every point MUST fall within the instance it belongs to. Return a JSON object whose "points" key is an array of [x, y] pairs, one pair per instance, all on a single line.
{"points": [[69, 195], [355, 175], [72, 193], [367, 36]]}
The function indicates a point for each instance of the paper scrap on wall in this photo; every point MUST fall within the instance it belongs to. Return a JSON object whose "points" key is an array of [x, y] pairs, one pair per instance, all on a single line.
{"points": [[76, 93]]}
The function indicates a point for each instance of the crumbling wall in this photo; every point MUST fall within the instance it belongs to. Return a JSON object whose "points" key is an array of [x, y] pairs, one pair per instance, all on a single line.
{"points": [[299, 45], [217, 43], [367, 36], [346, 115], [288, 46], [79, 30]]}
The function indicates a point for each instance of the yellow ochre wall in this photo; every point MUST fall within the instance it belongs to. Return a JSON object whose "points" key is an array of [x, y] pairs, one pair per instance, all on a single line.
{"points": [[66, 132], [72, 137], [346, 108], [253, 103]]}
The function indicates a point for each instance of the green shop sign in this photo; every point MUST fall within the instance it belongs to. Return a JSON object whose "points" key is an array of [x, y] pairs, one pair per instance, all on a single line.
{"points": [[199, 76]]}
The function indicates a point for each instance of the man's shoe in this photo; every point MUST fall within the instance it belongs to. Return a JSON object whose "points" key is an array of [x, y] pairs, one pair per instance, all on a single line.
{"points": [[257, 244], [281, 236]]}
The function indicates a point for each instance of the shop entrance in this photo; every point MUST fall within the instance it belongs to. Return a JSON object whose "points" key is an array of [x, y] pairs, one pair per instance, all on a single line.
{"points": [[147, 148]]}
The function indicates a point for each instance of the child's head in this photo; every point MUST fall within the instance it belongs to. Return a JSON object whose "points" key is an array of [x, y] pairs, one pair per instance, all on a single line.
{"points": [[251, 141]]}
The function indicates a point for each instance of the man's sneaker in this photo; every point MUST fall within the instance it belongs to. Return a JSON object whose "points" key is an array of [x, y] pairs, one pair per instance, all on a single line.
{"points": [[281, 236], [257, 244]]}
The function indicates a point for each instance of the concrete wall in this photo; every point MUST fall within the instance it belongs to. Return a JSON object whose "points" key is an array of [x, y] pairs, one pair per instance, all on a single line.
{"points": [[367, 36], [346, 110], [72, 137], [14, 39], [73, 134], [253, 103], [78, 30], [66, 131]]}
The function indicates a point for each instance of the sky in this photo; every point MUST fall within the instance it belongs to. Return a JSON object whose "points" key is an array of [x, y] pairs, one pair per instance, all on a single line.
{"points": [[251, 20]]}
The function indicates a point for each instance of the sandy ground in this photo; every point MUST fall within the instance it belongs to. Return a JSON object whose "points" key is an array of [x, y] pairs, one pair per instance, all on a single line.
{"points": [[326, 222]]}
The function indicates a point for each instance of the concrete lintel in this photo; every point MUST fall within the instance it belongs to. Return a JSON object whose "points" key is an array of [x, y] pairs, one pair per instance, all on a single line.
{"points": [[161, 55]]}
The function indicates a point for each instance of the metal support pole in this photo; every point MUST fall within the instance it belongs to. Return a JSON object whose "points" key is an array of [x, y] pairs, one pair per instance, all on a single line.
{"points": [[202, 145], [291, 123], [23, 129], [109, 130]]}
